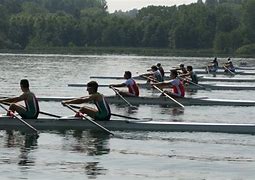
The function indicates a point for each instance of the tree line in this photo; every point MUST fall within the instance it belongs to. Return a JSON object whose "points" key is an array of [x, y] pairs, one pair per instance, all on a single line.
{"points": [[222, 25]]}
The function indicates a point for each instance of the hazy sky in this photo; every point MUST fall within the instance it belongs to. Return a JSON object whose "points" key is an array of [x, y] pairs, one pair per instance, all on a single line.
{"points": [[126, 5]]}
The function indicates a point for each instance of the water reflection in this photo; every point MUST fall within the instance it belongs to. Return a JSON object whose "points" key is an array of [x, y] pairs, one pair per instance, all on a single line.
{"points": [[93, 169], [177, 111], [91, 143], [30, 143], [26, 142], [174, 112]]}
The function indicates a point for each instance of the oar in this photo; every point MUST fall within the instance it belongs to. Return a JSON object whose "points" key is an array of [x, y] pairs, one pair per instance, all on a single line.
{"points": [[23, 121], [168, 96], [117, 115], [103, 128], [229, 70], [149, 78], [185, 79], [49, 114], [106, 77], [207, 69], [42, 112], [117, 92]]}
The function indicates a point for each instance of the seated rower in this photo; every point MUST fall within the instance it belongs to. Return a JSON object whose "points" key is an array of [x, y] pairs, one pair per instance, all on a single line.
{"points": [[190, 75], [181, 69], [213, 67], [130, 83], [176, 84], [161, 70], [101, 113], [154, 76], [228, 66], [31, 109]]}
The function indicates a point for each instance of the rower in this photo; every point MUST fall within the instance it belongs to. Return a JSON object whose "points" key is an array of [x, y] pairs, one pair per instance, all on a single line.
{"points": [[101, 113], [181, 69], [31, 109], [213, 67], [130, 83], [190, 75], [176, 84], [161, 70], [154, 76], [228, 66]]}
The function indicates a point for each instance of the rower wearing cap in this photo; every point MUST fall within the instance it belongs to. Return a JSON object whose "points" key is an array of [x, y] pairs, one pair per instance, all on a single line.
{"points": [[176, 84], [102, 111], [31, 109], [130, 83]]}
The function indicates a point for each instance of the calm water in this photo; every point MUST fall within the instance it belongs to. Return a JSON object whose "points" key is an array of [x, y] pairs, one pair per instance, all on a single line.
{"points": [[128, 155]]}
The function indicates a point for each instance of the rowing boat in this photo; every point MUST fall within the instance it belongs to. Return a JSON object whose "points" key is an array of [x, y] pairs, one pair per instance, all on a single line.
{"points": [[187, 101], [201, 78], [162, 100], [189, 87], [236, 67], [241, 68], [7, 123], [220, 87], [223, 72]]}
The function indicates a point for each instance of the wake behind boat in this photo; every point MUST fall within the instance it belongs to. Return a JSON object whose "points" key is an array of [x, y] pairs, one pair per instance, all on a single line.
{"points": [[7, 123]]}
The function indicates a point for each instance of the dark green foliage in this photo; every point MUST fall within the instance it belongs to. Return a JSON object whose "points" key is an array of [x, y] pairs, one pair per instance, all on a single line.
{"points": [[222, 25]]}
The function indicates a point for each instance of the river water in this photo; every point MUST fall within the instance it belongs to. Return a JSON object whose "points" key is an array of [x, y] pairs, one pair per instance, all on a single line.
{"points": [[129, 155]]}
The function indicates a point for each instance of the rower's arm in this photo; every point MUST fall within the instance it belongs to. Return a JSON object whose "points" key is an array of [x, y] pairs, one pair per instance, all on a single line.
{"points": [[150, 78], [185, 75], [77, 100], [14, 99], [117, 85]]}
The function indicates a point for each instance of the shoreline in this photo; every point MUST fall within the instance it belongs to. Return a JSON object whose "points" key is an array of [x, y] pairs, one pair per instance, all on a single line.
{"points": [[124, 51]]}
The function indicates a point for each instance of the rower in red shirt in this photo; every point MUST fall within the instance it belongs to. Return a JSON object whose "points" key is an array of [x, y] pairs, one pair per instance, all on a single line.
{"points": [[130, 83], [177, 90]]}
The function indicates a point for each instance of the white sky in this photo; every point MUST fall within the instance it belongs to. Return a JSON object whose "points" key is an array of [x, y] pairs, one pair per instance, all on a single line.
{"points": [[126, 5]]}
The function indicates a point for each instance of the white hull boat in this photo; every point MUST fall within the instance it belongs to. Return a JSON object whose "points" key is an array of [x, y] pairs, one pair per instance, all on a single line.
{"points": [[162, 100], [7, 123], [190, 86]]}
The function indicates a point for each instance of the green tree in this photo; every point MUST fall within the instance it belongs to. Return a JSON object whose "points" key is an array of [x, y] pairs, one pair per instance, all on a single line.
{"points": [[249, 22], [20, 29]]}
